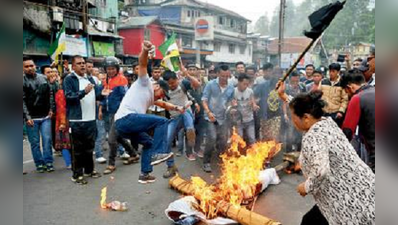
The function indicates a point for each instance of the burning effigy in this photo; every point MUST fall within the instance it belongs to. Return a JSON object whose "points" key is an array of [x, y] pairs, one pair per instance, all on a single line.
{"points": [[242, 179]]}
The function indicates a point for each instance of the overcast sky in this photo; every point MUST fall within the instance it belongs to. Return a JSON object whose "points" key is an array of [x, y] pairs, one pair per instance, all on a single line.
{"points": [[251, 9]]}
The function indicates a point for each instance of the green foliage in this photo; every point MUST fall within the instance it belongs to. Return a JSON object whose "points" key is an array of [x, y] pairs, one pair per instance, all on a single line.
{"points": [[262, 25], [354, 24]]}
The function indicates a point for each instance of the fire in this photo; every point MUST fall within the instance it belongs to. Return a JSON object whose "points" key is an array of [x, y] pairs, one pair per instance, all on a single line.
{"points": [[103, 198], [239, 176]]}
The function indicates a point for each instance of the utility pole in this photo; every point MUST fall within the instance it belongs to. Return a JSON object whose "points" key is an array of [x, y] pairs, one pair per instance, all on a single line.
{"points": [[198, 47], [84, 14], [281, 30]]}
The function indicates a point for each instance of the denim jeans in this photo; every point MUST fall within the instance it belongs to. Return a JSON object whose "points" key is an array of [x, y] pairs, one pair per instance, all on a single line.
{"points": [[181, 140], [200, 130], [41, 128], [217, 136], [135, 128], [116, 142], [67, 157], [100, 141], [175, 125], [247, 132]]}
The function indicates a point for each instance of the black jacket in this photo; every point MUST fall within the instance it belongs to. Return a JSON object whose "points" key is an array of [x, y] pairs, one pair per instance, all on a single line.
{"points": [[73, 95], [38, 100]]}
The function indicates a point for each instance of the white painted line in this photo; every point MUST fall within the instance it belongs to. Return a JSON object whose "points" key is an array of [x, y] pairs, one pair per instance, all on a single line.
{"points": [[27, 162]]}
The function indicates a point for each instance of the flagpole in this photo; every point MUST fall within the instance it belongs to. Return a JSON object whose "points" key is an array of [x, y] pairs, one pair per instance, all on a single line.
{"points": [[298, 60]]}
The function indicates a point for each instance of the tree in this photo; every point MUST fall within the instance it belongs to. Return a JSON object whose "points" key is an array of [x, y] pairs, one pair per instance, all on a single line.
{"points": [[355, 23], [262, 25]]}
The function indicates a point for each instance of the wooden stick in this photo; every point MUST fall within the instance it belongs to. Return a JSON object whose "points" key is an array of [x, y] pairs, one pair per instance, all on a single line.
{"points": [[239, 214]]}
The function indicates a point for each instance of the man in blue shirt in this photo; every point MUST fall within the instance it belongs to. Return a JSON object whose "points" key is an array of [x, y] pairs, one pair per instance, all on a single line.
{"points": [[216, 97]]}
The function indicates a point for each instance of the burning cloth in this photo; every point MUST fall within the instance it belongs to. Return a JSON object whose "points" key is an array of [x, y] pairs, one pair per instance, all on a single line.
{"points": [[185, 207]]}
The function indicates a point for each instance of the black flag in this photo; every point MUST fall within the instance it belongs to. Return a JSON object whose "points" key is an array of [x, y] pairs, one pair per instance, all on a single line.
{"points": [[321, 19]]}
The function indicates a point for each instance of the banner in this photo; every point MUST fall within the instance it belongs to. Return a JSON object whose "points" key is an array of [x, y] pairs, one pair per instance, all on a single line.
{"points": [[76, 46], [104, 48]]}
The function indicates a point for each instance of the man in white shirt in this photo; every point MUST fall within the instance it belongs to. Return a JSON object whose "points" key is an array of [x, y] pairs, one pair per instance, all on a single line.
{"points": [[81, 94], [132, 121]]}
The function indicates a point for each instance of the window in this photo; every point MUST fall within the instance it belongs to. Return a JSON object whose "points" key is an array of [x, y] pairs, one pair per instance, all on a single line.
{"points": [[231, 48], [232, 23], [199, 14], [221, 20], [242, 49], [147, 34], [189, 13], [217, 46], [187, 41]]}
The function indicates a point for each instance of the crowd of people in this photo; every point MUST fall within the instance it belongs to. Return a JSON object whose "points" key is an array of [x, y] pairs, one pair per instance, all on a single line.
{"points": [[143, 113]]}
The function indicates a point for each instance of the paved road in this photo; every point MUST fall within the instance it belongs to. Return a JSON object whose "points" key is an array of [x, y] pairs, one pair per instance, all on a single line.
{"points": [[52, 199]]}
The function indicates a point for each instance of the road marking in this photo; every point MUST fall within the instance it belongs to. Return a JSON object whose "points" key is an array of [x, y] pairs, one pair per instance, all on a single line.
{"points": [[28, 161]]}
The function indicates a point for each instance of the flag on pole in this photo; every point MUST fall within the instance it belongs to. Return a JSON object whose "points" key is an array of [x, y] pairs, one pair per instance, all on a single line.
{"points": [[59, 44], [171, 54], [321, 19]]}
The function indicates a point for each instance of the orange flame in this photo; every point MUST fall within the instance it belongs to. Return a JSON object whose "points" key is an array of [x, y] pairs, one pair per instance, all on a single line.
{"points": [[103, 198], [239, 175]]}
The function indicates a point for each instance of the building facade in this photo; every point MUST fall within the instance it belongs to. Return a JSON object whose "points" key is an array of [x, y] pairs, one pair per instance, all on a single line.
{"points": [[230, 42]]}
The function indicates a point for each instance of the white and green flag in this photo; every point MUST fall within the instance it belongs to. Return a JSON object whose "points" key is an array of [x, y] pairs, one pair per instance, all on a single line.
{"points": [[59, 45], [171, 54]]}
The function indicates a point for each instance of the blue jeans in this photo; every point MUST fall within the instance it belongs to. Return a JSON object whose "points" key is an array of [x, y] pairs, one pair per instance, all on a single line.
{"points": [[67, 157], [41, 128], [248, 132], [217, 136], [100, 140], [175, 125], [135, 128], [181, 140]]}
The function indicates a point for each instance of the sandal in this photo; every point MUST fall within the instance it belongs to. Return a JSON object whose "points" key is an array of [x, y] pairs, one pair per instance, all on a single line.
{"points": [[109, 170], [94, 174], [131, 160], [80, 181]]}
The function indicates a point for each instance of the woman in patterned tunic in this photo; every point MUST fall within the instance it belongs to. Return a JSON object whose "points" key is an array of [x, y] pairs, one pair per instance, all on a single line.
{"points": [[343, 186]]}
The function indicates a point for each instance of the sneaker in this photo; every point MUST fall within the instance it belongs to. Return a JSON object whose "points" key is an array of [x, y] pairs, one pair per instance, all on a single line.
{"points": [[101, 160], [171, 172], [41, 169], [50, 168], [94, 174], [207, 167], [200, 154], [159, 158], [125, 156], [131, 160], [80, 181], [191, 136], [191, 157], [146, 178]]}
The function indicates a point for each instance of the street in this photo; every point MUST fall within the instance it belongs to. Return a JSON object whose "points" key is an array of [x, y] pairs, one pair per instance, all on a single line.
{"points": [[54, 199]]}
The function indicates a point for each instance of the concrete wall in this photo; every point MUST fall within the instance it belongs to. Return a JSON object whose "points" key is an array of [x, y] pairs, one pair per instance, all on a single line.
{"points": [[225, 56]]}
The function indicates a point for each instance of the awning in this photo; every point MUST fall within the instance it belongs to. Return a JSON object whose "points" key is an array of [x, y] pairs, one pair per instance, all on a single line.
{"points": [[94, 32]]}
